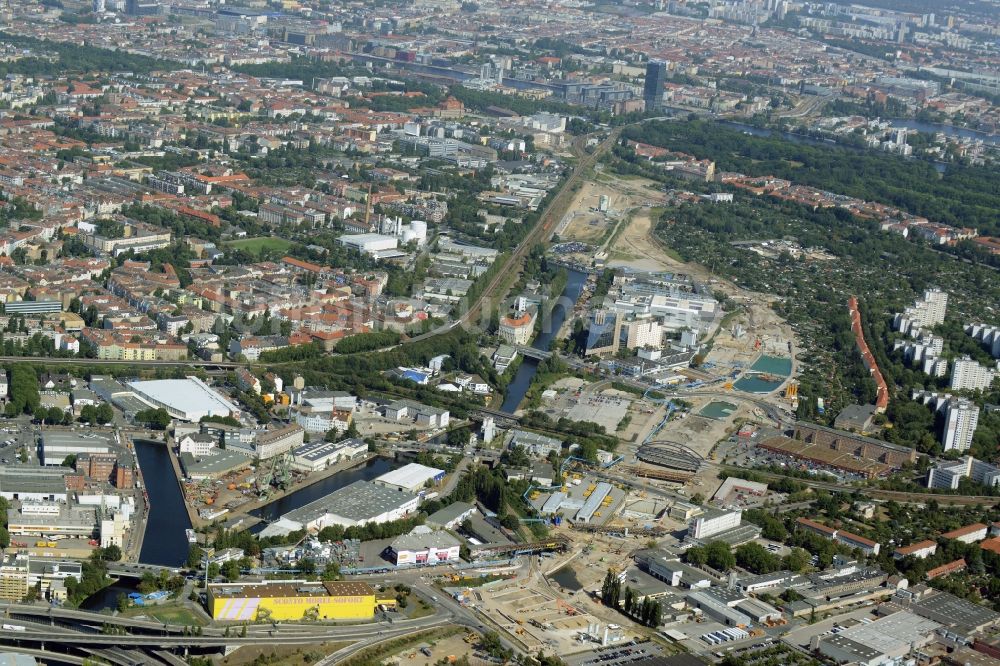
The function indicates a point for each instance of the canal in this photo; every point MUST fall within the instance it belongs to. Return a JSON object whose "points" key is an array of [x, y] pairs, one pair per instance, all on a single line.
{"points": [[550, 328], [164, 542]]}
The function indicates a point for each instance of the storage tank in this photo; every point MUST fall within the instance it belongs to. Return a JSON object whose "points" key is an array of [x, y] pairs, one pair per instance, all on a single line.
{"points": [[419, 228]]}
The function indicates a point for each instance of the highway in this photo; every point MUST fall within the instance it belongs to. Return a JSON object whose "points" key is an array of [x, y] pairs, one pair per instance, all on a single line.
{"points": [[274, 636]]}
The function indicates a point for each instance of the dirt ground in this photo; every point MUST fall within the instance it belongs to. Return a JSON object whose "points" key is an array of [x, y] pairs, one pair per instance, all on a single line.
{"points": [[290, 655], [453, 646]]}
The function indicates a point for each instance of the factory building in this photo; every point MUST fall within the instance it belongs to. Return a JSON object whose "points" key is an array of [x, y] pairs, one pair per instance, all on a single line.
{"points": [[293, 600]]}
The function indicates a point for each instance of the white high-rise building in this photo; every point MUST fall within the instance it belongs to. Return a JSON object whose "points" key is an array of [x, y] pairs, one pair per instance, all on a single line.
{"points": [[968, 375], [643, 333], [960, 425], [924, 313], [948, 474]]}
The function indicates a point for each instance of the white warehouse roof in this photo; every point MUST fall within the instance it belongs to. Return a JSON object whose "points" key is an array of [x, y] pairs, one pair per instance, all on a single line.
{"points": [[189, 399], [409, 477]]}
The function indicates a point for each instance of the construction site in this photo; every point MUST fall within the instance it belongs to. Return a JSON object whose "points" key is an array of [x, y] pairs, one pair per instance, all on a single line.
{"points": [[537, 618]]}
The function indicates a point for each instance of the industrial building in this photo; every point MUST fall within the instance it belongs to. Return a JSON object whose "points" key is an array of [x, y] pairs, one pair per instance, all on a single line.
{"points": [[292, 600], [213, 465], [371, 244], [411, 478], [315, 456], [451, 516], [52, 519], [423, 546], [884, 639], [593, 503], [33, 483], [188, 399], [713, 522], [356, 504], [58, 444], [273, 443], [533, 443], [666, 567]]}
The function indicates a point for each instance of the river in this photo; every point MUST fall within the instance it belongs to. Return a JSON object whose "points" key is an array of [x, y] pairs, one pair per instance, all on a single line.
{"points": [[550, 328], [947, 130]]}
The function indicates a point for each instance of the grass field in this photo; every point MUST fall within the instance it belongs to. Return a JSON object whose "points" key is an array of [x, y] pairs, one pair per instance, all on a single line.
{"points": [[256, 245], [170, 614]]}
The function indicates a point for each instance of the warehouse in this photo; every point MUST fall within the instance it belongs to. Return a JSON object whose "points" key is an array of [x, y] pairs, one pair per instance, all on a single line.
{"points": [[315, 456], [410, 478], [891, 637], [369, 243], [425, 547], [58, 444], [212, 466], [356, 504], [292, 600], [451, 516], [52, 519], [593, 504], [33, 483], [188, 399]]}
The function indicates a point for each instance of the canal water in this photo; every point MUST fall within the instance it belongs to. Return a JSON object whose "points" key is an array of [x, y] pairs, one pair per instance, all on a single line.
{"points": [[108, 597], [366, 472], [165, 543], [529, 366]]}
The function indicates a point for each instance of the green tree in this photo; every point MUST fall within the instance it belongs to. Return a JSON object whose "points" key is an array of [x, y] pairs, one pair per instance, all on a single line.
{"points": [[719, 556]]}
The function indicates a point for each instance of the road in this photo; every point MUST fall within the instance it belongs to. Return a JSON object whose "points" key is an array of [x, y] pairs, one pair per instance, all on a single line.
{"points": [[72, 360]]}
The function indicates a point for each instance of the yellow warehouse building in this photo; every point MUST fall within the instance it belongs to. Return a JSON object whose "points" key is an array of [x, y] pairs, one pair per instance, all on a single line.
{"points": [[293, 600]]}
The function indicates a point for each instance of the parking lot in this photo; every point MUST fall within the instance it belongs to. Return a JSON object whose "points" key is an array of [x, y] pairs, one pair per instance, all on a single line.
{"points": [[622, 653]]}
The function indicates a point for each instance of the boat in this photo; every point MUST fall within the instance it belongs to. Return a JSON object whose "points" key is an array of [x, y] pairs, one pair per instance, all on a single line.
{"points": [[191, 537]]}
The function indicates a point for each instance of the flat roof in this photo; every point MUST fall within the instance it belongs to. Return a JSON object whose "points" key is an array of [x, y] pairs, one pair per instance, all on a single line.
{"points": [[218, 462], [294, 589], [893, 633], [189, 395], [409, 476], [420, 541], [450, 512], [954, 612], [358, 501], [320, 449]]}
